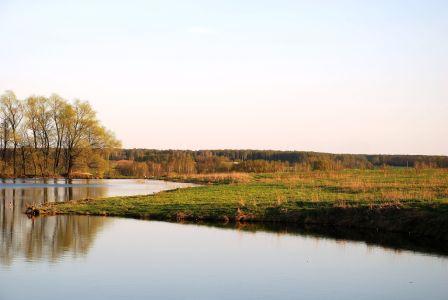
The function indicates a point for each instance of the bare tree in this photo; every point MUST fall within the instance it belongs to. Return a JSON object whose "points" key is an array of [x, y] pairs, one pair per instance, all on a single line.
{"points": [[60, 112], [45, 126], [12, 110], [81, 120], [4, 138]]}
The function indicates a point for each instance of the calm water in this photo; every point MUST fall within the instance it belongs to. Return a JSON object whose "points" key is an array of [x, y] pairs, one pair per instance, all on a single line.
{"points": [[81, 257]]}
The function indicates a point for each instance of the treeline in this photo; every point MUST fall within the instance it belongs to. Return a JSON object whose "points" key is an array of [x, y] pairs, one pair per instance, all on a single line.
{"points": [[144, 162], [42, 136]]}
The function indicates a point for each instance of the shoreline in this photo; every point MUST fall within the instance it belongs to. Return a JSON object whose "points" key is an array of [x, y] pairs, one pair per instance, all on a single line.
{"points": [[398, 200], [424, 222]]}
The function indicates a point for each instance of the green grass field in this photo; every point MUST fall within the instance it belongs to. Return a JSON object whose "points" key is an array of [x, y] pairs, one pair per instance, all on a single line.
{"points": [[406, 200]]}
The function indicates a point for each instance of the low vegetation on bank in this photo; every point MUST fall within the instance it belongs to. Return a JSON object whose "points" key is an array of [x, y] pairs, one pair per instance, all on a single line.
{"points": [[397, 199]]}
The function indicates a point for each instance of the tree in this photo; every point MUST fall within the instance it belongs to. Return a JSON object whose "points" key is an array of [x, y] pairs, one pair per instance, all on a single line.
{"points": [[31, 124], [51, 136], [84, 132], [4, 137], [12, 110], [45, 131], [60, 114]]}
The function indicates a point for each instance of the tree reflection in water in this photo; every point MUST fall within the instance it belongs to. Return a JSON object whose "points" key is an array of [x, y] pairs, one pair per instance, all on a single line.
{"points": [[45, 237]]}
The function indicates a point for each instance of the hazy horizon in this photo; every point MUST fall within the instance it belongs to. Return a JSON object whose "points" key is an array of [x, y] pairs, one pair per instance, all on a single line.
{"points": [[336, 77]]}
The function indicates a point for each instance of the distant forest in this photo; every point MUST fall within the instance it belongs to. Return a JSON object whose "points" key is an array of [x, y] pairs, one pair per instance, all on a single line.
{"points": [[145, 162]]}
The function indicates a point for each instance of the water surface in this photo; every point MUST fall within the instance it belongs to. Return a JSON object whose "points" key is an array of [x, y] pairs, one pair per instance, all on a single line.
{"points": [[86, 257]]}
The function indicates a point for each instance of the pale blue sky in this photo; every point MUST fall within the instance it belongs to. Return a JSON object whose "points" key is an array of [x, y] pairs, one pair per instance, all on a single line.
{"points": [[336, 76]]}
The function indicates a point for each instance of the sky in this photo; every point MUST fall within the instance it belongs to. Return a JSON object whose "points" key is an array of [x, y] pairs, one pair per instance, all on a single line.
{"points": [[330, 76]]}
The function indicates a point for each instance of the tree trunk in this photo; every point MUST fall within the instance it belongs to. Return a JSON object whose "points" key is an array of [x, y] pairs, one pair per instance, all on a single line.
{"points": [[23, 161], [70, 167], [14, 152]]}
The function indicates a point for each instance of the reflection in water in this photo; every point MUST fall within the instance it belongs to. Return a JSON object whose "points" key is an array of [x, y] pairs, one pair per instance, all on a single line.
{"points": [[135, 259], [44, 237], [47, 238], [52, 237], [29, 191], [390, 241]]}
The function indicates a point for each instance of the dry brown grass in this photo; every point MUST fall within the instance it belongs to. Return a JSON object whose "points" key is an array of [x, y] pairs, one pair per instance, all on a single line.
{"points": [[212, 178]]}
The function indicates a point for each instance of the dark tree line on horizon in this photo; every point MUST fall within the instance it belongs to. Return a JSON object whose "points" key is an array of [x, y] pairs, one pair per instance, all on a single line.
{"points": [[149, 162]]}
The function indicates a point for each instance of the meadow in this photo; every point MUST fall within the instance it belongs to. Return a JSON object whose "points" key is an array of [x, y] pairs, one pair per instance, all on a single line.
{"points": [[413, 201]]}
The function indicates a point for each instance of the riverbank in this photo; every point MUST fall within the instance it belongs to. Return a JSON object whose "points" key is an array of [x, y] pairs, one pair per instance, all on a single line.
{"points": [[410, 201]]}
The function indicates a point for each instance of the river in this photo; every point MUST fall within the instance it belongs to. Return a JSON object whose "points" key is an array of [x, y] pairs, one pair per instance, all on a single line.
{"points": [[88, 257]]}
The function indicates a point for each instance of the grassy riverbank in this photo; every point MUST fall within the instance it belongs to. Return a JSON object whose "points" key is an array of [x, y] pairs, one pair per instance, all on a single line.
{"points": [[402, 200]]}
